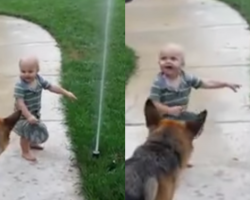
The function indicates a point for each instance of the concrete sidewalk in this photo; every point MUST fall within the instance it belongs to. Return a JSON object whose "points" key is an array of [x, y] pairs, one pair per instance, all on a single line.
{"points": [[53, 177], [217, 44]]}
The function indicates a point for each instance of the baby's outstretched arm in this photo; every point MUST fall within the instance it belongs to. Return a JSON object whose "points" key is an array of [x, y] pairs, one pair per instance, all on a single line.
{"points": [[56, 89], [59, 90], [196, 83], [211, 84]]}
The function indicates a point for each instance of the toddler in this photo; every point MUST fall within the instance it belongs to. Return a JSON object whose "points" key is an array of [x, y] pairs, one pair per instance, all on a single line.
{"points": [[28, 93], [171, 89]]}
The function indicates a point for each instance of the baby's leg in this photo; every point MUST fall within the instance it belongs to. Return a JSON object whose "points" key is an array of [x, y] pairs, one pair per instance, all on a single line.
{"points": [[25, 146]]}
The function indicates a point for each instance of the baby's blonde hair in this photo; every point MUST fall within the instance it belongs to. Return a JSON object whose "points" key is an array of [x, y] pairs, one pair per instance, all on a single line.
{"points": [[30, 60], [174, 47]]}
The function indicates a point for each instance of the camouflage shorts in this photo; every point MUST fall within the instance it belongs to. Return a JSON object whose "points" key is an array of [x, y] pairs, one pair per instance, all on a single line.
{"points": [[35, 133]]}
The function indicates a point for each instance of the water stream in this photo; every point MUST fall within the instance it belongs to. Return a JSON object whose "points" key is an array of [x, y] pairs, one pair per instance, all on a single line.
{"points": [[109, 6]]}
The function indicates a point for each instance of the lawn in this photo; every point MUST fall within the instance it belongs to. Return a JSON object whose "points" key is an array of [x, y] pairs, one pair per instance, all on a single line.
{"points": [[78, 27], [242, 6]]}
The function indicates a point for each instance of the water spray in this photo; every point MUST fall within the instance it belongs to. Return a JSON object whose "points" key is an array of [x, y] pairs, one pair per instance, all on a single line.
{"points": [[96, 151]]}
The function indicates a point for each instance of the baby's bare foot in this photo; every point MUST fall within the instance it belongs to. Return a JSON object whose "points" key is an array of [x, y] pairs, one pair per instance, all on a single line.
{"points": [[36, 147], [29, 157]]}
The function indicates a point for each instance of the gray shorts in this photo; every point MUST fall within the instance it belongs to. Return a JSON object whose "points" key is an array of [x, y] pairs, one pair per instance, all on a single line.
{"points": [[35, 133]]}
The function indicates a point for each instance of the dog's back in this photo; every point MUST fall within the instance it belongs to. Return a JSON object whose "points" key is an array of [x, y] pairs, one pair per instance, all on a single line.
{"points": [[151, 162]]}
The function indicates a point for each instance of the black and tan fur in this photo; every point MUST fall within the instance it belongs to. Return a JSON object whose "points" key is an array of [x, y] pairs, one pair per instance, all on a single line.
{"points": [[153, 170], [6, 126]]}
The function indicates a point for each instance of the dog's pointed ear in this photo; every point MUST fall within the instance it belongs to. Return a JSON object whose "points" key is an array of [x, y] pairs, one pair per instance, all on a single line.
{"points": [[195, 126], [152, 115], [12, 119]]}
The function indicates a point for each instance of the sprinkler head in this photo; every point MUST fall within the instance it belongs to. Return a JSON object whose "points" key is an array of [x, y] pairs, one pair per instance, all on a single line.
{"points": [[95, 154]]}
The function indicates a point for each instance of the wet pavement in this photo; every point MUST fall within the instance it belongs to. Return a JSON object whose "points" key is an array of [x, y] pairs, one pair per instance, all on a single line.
{"points": [[53, 177], [217, 44]]}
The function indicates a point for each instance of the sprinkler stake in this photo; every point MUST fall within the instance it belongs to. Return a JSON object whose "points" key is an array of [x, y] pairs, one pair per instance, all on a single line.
{"points": [[95, 154]]}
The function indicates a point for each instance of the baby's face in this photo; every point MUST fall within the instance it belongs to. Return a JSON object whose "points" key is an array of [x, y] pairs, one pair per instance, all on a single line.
{"points": [[28, 72], [171, 61]]}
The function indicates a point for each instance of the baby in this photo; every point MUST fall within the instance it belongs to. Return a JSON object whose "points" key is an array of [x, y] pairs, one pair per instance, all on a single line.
{"points": [[28, 93], [171, 89]]}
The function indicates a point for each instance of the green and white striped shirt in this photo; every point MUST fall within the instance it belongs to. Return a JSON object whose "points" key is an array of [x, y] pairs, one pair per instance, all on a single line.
{"points": [[162, 92], [31, 96]]}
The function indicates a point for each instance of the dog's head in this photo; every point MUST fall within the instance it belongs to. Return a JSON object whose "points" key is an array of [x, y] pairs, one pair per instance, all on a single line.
{"points": [[189, 129], [6, 126]]}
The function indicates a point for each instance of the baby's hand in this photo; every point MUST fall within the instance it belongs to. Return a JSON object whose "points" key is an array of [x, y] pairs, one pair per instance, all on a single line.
{"points": [[233, 86], [176, 110], [32, 119], [71, 95]]}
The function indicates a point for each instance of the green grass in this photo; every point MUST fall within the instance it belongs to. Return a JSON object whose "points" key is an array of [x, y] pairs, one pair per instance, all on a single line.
{"points": [[242, 6], [78, 28]]}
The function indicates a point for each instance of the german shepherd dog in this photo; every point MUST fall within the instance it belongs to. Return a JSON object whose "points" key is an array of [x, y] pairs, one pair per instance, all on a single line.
{"points": [[6, 126], [153, 170]]}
